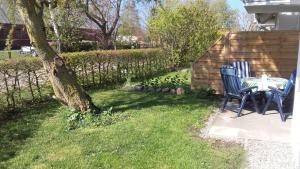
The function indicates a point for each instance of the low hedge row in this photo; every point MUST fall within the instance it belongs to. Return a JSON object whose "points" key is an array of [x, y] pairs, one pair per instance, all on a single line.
{"points": [[24, 80]]}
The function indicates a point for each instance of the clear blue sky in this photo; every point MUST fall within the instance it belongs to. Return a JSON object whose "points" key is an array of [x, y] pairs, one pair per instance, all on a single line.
{"points": [[236, 4]]}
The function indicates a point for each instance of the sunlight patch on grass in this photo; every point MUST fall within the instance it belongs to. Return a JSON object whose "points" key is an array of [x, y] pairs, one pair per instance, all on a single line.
{"points": [[64, 152]]}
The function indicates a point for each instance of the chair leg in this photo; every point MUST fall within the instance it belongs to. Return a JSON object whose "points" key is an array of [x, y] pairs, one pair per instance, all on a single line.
{"points": [[244, 99], [279, 104], [267, 104], [225, 103], [255, 104]]}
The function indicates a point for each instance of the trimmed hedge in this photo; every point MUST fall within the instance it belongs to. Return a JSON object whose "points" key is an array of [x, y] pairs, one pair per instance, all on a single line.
{"points": [[24, 81]]}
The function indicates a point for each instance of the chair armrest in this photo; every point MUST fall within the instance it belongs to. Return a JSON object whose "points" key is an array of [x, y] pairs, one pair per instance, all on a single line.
{"points": [[275, 90], [247, 89]]}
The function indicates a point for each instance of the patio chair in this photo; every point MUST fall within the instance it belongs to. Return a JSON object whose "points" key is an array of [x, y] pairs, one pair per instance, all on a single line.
{"points": [[283, 99], [243, 69], [234, 90]]}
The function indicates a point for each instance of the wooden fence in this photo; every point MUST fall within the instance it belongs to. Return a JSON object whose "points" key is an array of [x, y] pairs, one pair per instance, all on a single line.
{"points": [[273, 53]]}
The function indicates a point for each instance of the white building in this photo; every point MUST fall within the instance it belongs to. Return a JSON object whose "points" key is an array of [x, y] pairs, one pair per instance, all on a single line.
{"points": [[275, 14]]}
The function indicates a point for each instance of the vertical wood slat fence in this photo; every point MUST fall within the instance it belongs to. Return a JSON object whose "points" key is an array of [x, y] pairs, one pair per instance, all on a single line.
{"points": [[23, 81], [273, 53]]}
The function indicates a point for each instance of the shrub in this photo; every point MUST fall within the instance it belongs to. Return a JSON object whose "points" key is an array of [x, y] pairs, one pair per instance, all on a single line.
{"points": [[205, 92], [79, 46], [185, 31], [170, 81], [24, 80], [106, 118]]}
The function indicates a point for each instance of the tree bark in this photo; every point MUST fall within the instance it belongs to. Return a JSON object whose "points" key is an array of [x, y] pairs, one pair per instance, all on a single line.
{"points": [[63, 79], [106, 25], [107, 42], [55, 28]]}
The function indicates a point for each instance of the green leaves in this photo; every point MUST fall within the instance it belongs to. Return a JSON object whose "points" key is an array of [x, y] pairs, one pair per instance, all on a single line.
{"points": [[186, 31], [28, 83]]}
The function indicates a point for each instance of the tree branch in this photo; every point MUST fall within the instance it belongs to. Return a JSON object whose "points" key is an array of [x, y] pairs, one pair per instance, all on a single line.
{"points": [[112, 28], [99, 11], [102, 26]]}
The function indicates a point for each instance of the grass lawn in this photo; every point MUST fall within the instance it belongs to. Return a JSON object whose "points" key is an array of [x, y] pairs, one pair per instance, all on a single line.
{"points": [[14, 54], [148, 131]]}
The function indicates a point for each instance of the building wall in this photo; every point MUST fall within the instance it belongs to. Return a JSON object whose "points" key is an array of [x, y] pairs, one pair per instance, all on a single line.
{"points": [[273, 53], [288, 21], [21, 38]]}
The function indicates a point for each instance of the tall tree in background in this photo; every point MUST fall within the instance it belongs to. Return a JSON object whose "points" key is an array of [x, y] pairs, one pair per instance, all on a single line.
{"points": [[63, 22], [105, 14], [247, 22], [54, 23], [226, 16], [130, 20], [62, 78]]}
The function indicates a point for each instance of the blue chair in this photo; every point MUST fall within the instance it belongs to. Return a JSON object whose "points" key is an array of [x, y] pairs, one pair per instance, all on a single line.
{"points": [[243, 69], [234, 90], [283, 99]]}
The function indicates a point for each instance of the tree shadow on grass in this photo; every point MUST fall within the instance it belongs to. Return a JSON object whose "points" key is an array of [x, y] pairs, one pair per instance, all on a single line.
{"points": [[139, 100], [16, 130]]}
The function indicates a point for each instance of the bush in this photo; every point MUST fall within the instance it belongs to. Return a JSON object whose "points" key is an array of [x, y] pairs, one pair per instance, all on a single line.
{"points": [[76, 46], [205, 92], [123, 45], [25, 81], [185, 31], [170, 81], [79, 46]]}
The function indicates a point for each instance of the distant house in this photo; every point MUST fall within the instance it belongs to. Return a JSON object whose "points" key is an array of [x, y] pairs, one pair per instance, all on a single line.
{"points": [[21, 38], [127, 39]]}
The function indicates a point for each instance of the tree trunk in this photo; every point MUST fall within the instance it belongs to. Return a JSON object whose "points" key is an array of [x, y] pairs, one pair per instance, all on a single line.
{"points": [[62, 78], [55, 28], [107, 42]]}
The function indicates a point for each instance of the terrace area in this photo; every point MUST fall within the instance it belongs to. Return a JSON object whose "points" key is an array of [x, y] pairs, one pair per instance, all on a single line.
{"points": [[265, 137]]}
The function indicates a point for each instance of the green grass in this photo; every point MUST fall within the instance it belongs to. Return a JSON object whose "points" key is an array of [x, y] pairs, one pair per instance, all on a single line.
{"points": [[151, 131], [14, 54]]}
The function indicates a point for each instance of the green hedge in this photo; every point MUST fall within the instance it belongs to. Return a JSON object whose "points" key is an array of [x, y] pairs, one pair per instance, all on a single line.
{"points": [[24, 81]]}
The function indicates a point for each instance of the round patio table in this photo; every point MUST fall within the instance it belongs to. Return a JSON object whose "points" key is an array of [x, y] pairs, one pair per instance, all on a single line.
{"points": [[264, 83]]}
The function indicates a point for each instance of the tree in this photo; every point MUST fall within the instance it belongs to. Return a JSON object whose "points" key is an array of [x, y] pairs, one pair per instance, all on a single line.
{"points": [[227, 17], [130, 20], [105, 14], [247, 22], [186, 30], [154, 4], [62, 78], [63, 21], [54, 25]]}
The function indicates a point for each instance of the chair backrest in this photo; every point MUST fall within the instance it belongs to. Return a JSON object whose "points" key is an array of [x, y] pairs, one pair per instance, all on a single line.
{"points": [[289, 91], [231, 81], [291, 84], [243, 68]]}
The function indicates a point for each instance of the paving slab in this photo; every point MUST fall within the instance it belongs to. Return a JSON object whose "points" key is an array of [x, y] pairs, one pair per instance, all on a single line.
{"points": [[251, 125], [265, 137]]}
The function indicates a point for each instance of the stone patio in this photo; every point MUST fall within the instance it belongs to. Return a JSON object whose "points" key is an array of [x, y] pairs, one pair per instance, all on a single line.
{"points": [[250, 125], [266, 138]]}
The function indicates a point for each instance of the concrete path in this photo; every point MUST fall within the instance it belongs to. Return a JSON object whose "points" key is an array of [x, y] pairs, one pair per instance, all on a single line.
{"points": [[265, 138]]}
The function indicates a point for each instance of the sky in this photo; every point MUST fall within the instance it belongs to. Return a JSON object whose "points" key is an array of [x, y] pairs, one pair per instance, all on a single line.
{"points": [[236, 4]]}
